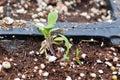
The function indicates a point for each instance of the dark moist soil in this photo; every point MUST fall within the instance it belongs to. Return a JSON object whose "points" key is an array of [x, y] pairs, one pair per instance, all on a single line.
{"points": [[23, 57], [73, 15]]}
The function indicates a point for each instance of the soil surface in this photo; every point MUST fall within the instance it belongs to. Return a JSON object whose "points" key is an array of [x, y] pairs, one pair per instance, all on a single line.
{"points": [[69, 10], [99, 62]]}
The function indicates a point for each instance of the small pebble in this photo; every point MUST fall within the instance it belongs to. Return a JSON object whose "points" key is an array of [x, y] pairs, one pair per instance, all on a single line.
{"points": [[34, 16], [40, 72], [115, 54], [38, 9], [115, 72], [68, 78], [42, 66], [93, 75], [0, 67], [82, 74], [40, 14], [31, 52], [45, 74], [112, 48], [50, 7], [100, 71], [6, 65], [16, 78], [37, 53], [118, 65], [8, 20], [102, 43], [35, 67], [51, 58], [115, 59], [10, 59], [119, 71], [108, 63], [42, 20], [83, 55], [35, 59], [99, 61], [1, 9], [94, 10], [88, 17], [61, 49], [84, 14], [24, 76], [21, 11], [102, 3], [63, 64], [36, 20]]}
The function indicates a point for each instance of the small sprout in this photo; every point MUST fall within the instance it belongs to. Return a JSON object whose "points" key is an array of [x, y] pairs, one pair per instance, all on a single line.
{"points": [[6, 65], [68, 46], [114, 77], [77, 57], [47, 30], [53, 39]]}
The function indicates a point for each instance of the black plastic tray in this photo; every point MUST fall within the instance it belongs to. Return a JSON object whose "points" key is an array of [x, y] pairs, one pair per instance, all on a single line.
{"points": [[99, 29]]}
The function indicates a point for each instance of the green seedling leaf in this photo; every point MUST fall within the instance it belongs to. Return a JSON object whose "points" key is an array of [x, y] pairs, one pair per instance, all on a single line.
{"points": [[58, 43], [65, 57], [52, 18], [40, 28], [77, 52], [47, 30], [59, 39], [54, 29], [68, 46], [77, 58], [67, 43], [49, 26]]}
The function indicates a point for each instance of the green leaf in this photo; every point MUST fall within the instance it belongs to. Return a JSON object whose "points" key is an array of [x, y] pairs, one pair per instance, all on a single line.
{"points": [[52, 18], [67, 44], [58, 39], [78, 61], [65, 57], [77, 52], [58, 43], [49, 26], [54, 29], [40, 28]]}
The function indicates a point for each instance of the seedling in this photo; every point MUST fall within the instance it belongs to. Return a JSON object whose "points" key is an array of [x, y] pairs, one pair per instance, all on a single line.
{"points": [[77, 57], [68, 46], [47, 32]]}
